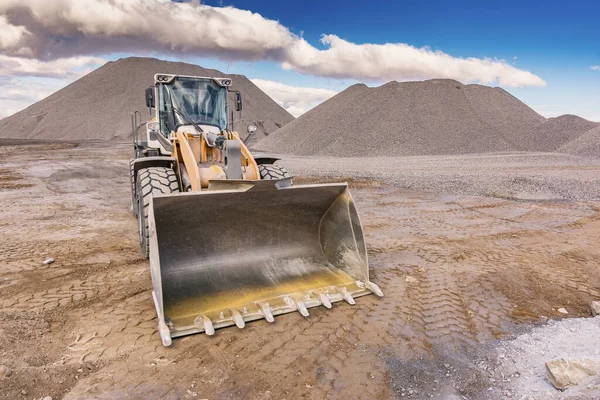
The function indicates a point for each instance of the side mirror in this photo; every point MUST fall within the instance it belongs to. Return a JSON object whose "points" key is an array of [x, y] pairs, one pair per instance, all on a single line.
{"points": [[238, 101], [150, 97]]}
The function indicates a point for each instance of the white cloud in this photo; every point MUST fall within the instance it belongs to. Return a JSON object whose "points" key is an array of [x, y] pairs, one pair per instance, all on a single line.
{"points": [[17, 94], [50, 30], [399, 61], [296, 100], [61, 28], [27, 92], [9, 108], [595, 67], [71, 67], [11, 36], [24, 81]]}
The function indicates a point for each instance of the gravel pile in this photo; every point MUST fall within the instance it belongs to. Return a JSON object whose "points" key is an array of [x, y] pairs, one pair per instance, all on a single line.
{"points": [[556, 132], [586, 145], [439, 116], [433, 117], [98, 106]]}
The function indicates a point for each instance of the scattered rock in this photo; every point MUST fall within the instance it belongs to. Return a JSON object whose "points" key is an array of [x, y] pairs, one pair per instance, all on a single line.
{"points": [[595, 308], [410, 279], [562, 311], [47, 398], [564, 373], [48, 261], [5, 372]]}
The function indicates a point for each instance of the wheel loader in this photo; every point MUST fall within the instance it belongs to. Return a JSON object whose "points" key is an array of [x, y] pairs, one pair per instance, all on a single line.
{"points": [[229, 237]]}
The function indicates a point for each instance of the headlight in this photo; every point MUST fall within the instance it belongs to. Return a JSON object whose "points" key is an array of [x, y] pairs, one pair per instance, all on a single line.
{"points": [[223, 82], [158, 78]]}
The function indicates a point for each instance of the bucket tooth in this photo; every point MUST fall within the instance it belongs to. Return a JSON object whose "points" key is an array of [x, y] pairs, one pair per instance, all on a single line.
{"points": [[301, 307], [316, 256], [203, 322], [266, 311], [347, 296], [323, 298], [165, 333], [237, 318], [374, 288]]}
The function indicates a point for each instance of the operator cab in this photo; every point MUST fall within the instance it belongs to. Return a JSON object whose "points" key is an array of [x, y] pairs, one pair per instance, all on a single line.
{"points": [[187, 102], [200, 100]]}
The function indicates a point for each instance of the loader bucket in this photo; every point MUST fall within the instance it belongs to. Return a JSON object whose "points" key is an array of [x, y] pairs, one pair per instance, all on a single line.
{"points": [[226, 257]]}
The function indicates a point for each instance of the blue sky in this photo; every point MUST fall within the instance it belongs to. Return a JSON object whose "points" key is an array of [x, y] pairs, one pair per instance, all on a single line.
{"points": [[540, 51], [556, 40]]}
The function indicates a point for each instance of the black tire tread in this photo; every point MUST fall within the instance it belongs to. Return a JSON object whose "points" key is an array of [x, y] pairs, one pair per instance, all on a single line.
{"points": [[272, 171], [150, 181]]}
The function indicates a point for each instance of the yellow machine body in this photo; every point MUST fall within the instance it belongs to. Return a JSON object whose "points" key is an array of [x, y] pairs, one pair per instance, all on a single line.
{"points": [[227, 250]]}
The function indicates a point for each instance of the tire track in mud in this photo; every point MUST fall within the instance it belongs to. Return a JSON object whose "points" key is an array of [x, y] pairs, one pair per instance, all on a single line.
{"points": [[59, 291], [438, 305], [454, 304], [292, 349], [457, 252], [445, 315], [25, 256], [107, 333]]}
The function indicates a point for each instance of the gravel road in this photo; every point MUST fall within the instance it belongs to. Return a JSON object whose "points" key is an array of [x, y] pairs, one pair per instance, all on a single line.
{"points": [[518, 176]]}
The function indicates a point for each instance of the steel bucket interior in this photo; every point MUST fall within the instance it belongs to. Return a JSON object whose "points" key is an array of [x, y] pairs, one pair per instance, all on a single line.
{"points": [[220, 258]]}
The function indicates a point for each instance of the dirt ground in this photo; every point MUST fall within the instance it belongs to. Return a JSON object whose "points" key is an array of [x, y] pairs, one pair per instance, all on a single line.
{"points": [[460, 274]]}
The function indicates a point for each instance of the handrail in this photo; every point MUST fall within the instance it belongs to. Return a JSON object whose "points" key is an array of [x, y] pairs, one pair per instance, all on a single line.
{"points": [[135, 125]]}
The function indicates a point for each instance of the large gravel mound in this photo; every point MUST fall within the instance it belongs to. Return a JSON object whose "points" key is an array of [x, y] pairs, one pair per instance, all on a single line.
{"points": [[439, 116], [98, 106], [586, 145], [556, 132], [433, 117]]}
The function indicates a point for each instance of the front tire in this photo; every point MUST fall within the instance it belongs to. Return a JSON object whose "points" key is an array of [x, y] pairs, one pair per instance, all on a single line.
{"points": [[272, 171], [149, 182]]}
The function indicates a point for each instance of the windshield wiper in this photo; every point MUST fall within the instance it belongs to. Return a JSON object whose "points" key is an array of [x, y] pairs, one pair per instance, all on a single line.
{"points": [[195, 125]]}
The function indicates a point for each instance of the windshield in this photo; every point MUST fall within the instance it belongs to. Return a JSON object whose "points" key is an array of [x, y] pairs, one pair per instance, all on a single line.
{"points": [[201, 101]]}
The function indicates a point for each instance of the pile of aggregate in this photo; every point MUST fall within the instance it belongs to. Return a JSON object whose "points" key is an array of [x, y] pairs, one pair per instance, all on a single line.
{"points": [[98, 105], [433, 117]]}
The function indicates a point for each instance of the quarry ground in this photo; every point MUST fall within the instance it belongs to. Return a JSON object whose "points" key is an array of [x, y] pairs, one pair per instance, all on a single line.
{"points": [[475, 255]]}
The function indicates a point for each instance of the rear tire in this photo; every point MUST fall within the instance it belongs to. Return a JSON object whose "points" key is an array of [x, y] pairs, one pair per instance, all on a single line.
{"points": [[272, 171], [149, 182]]}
